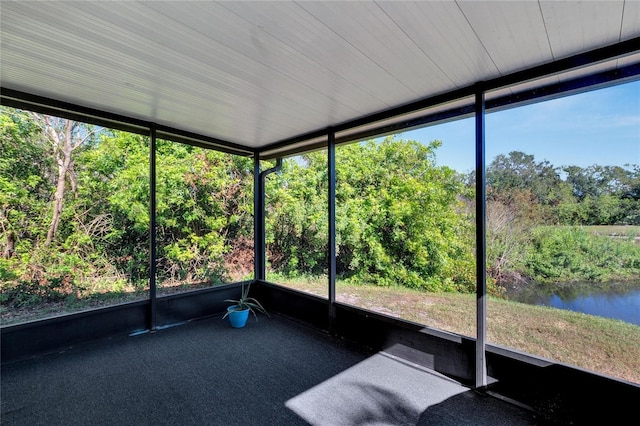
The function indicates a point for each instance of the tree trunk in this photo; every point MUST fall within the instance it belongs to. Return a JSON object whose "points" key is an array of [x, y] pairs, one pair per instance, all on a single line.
{"points": [[10, 248], [61, 135], [65, 136], [58, 202]]}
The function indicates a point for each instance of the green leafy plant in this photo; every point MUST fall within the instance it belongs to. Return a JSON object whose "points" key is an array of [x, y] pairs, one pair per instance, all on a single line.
{"points": [[246, 302]]}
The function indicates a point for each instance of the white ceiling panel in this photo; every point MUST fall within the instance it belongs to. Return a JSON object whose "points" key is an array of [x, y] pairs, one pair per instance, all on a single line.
{"points": [[329, 38], [578, 26], [308, 39], [512, 33], [442, 33], [278, 60], [630, 20], [370, 31], [256, 73]]}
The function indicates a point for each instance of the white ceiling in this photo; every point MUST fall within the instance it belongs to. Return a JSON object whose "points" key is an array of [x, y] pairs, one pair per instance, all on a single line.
{"points": [[255, 73]]}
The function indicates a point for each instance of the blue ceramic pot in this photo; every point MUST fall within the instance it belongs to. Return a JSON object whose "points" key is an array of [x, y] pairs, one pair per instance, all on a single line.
{"points": [[237, 318]]}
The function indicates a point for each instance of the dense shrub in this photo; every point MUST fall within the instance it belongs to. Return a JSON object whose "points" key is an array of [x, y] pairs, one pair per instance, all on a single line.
{"points": [[558, 254]]}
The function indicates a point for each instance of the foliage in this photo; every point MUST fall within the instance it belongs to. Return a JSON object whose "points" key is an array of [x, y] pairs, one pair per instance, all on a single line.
{"points": [[566, 195], [24, 181], [32, 293], [563, 254], [507, 175], [204, 208], [101, 245], [246, 302], [507, 242], [296, 216], [401, 220], [525, 198]]}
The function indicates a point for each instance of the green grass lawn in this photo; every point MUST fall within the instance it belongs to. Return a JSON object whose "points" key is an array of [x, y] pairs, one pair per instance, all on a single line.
{"points": [[598, 344], [615, 230]]}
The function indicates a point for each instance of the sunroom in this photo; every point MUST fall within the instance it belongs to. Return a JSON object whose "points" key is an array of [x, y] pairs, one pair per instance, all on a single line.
{"points": [[348, 163]]}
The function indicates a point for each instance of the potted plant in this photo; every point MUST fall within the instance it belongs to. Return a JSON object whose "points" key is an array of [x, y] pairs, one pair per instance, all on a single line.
{"points": [[238, 313]]}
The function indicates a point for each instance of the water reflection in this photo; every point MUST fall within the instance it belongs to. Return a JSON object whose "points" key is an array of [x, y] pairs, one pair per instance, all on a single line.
{"points": [[614, 300]]}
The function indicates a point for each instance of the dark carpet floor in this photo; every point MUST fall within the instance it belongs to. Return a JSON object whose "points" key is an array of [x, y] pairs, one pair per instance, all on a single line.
{"points": [[273, 372]]}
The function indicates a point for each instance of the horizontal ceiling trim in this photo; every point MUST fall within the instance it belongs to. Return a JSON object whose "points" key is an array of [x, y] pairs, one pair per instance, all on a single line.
{"points": [[439, 117], [572, 62], [49, 106], [525, 97], [580, 84], [413, 123], [44, 105], [190, 138], [63, 109], [562, 65], [283, 153]]}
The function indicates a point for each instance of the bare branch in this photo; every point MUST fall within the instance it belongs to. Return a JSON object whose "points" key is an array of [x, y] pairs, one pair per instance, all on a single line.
{"points": [[87, 136]]}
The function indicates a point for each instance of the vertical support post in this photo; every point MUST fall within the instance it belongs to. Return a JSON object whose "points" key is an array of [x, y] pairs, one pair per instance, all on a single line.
{"points": [[259, 216], [331, 166], [152, 229], [481, 274], [259, 265]]}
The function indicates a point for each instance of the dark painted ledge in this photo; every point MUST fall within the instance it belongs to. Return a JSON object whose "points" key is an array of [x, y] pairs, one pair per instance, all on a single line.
{"points": [[558, 392]]}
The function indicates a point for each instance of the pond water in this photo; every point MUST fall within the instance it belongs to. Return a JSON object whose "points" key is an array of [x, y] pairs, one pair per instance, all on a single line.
{"points": [[614, 300]]}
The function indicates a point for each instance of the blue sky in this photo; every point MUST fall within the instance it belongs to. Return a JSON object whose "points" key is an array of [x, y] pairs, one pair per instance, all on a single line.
{"points": [[596, 127]]}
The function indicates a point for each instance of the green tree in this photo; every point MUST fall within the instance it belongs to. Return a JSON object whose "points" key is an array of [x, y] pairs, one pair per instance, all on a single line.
{"points": [[111, 225], [297, 216], [23, 183], [400, 219], [533, 188], [204, 213], [606, 195], [64, 137]]}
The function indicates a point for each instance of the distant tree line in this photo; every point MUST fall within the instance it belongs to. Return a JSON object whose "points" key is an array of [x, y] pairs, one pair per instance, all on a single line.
{"points": [[567, 195], [536, 213]]}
